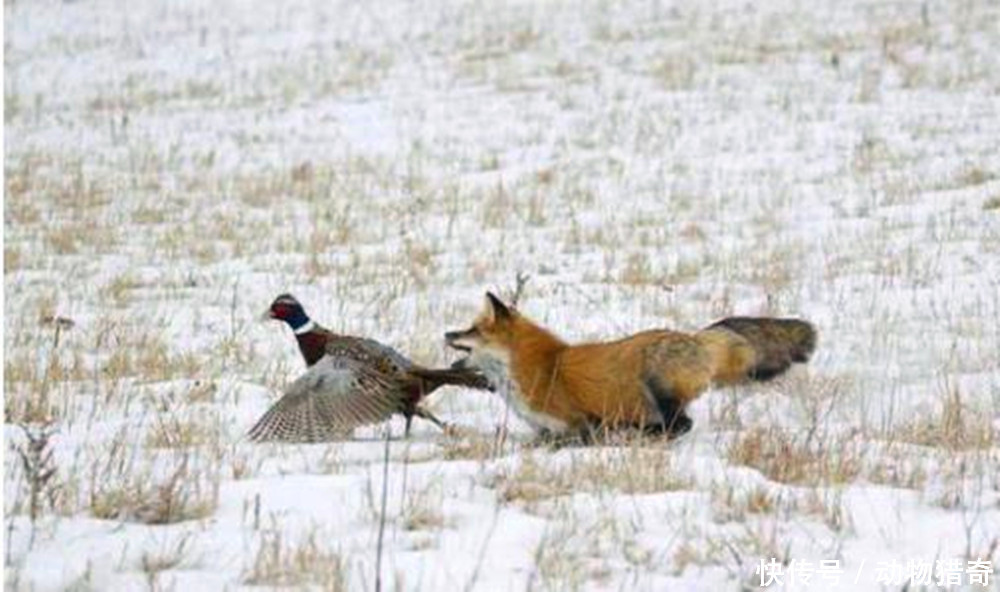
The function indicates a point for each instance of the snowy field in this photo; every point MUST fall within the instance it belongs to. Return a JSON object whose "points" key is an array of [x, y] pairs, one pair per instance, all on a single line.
{"points": [[173, 166]]}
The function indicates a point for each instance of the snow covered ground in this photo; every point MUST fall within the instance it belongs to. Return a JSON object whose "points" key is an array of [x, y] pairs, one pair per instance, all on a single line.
{"points": [[172, 166]]}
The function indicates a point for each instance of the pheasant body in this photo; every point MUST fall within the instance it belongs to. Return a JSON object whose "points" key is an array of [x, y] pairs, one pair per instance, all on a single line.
{"points": [[350, 381]]}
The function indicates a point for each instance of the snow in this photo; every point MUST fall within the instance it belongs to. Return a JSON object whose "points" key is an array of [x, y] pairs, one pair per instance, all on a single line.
{"points": [[171, 168]]}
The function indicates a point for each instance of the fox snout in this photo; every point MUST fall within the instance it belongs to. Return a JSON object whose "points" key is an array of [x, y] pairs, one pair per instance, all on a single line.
{"points": [[462, 340]]}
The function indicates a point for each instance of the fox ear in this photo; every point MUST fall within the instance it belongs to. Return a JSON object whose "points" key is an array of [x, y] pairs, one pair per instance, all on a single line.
{"points": [[498, 309]]}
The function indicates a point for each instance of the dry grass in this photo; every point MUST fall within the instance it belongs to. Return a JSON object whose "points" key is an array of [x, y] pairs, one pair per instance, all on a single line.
{"points": [[792, 458], [557, 568], [171, 556], [469, 446], [305, 563], [183, 494], [898, 469], [953, 426], [173, 432], [730, 504], [36, 384], [119, 290], [774, 501], [631, 471], [38, 472], [675, 72], [423, 510], [147, 356]]}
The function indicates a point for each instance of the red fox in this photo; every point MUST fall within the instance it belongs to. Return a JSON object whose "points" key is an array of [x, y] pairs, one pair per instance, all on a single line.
{"points": [[645, 380]]}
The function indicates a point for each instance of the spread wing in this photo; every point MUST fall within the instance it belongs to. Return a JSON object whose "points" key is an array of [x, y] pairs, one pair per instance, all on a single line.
{"points": [[333, 397]]}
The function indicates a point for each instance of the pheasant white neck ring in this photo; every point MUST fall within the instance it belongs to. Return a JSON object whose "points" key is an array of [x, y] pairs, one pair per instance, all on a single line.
{"points": [[307, 327]]}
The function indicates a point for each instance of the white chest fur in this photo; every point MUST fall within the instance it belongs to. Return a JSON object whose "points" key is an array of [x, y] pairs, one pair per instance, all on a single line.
{"points": [[497, 369]]}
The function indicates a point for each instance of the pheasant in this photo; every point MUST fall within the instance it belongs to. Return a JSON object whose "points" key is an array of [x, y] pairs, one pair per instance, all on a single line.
{"points": [[350, 382]]}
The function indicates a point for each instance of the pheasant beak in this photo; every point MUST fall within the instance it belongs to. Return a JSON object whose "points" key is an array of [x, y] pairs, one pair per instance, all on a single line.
{"points": [[266, 316]]}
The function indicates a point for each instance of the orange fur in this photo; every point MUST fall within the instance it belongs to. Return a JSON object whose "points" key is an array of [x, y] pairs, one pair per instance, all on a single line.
{"points": [[607, 383]]}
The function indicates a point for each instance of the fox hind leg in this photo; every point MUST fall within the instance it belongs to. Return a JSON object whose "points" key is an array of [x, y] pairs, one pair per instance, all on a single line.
{"points": [[559, 440], [675, 420]]}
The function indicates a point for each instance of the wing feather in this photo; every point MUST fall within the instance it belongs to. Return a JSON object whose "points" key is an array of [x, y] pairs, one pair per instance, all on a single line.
{"points": [[362, 349], [336, 395]]}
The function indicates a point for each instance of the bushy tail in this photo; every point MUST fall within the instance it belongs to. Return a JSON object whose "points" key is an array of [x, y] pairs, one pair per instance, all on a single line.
{"points": [[433, 378], [752, 348]]}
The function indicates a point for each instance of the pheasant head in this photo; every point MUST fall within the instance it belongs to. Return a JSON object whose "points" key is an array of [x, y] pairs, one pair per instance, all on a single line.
{"points": [[286, 308]]}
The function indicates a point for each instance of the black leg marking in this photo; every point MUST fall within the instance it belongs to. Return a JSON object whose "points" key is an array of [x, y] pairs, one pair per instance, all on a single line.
{"points": [[764, 373], [675, 421], [557, 441], [590, 433], [543, 438]]}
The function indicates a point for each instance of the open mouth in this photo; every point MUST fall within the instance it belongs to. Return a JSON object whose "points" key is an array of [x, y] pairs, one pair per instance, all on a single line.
{"points": [[454, 344], [451, 339]]}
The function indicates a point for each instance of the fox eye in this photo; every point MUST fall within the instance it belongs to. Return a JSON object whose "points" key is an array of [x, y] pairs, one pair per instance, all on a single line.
{"points": [[472, 331]]}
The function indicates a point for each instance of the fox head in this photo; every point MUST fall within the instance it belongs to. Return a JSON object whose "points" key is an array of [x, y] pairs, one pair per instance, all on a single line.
{"points": [[491, 334], [502, 337]]}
